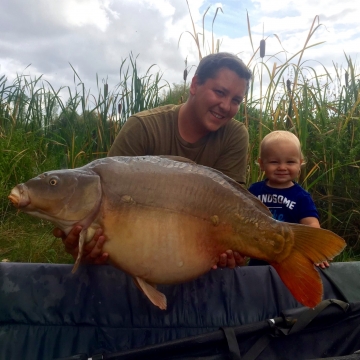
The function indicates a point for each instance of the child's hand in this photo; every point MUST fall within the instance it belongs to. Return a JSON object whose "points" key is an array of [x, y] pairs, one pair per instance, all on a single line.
{"points": [[323, 265]]}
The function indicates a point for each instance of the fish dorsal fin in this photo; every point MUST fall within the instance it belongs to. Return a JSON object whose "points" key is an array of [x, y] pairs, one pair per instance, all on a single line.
{"points": [[177, 158], [259, 205]]}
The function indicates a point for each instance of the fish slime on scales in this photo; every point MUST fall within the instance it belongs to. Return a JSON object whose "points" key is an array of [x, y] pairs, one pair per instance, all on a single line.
{"points": [[177, 217]]}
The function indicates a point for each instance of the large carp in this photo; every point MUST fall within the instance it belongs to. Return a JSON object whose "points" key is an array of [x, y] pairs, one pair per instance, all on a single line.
{"points": [[167, 221]]}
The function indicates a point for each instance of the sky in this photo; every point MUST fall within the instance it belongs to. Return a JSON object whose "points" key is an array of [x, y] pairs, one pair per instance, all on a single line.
{"points": [[43, 37]]}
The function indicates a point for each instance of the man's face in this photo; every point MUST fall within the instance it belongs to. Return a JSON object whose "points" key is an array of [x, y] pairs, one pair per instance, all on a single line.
{"points": [[217, 100]]}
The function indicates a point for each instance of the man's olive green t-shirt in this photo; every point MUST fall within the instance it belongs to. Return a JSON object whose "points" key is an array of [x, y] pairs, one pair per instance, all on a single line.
{"points": [[156, 132]]}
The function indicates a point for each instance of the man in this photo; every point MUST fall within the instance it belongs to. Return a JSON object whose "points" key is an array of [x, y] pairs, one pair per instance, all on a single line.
{"points": [[202, 130]]}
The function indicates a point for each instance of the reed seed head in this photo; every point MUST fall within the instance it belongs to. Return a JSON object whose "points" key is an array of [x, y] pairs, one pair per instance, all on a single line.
{"points": [[185, 74], [288, 85], [262, 48]]}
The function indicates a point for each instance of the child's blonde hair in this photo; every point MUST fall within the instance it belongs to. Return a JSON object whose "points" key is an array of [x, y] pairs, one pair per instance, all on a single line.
{"points": [[280, 135]]}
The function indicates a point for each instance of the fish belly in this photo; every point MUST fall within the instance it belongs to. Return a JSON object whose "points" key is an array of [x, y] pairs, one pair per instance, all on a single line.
{"points": [[162, 246]]}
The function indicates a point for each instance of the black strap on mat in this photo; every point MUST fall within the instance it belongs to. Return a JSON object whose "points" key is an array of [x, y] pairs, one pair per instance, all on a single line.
{"points": [[293, 325], [309, 314], [234, 351], [260, 344], [292, 321]]}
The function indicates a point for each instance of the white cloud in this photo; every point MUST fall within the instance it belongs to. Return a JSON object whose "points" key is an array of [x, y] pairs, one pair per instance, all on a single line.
{"points": [[86, 12], [96, 35]]}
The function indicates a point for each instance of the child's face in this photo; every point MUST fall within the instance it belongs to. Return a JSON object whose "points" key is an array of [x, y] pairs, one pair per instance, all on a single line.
{"points": [[281, 162]]}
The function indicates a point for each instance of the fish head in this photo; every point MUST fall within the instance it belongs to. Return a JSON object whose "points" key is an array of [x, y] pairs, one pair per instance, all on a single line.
{"points": [[65, 197]]}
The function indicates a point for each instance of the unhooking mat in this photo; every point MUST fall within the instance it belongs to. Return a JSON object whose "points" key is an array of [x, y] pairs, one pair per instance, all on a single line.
{"points": [[46, 312]]}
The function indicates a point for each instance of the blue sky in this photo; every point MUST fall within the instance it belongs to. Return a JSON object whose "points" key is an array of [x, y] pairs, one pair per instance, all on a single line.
{"points": [[231, 18], [95, 35]]}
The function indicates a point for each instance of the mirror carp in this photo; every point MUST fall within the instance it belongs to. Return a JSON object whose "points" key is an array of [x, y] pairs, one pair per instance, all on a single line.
{"points": [[166, 220]]}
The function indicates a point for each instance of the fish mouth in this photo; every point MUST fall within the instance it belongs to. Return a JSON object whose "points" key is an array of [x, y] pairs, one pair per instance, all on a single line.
{"points": [[19, 196]]}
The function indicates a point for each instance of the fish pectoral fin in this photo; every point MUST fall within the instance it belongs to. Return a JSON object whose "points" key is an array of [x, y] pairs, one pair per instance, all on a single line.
{"points": [[82, 238], [155, 296]]}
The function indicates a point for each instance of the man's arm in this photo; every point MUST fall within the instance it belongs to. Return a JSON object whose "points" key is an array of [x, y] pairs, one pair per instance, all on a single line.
{"points": [[131, 140]]}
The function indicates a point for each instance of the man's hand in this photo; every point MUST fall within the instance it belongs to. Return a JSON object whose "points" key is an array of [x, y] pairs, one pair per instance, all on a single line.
{"points": [[92, 253], [230, 259]]}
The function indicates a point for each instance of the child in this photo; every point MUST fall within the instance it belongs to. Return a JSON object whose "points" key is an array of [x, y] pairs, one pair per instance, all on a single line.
{"points": [[281, 159]]}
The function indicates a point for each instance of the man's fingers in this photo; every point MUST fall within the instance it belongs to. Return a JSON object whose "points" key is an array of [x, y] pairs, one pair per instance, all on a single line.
{"points": [[89, 247], [58, 233], [230, 259], [240, 260], [72, 240], [222, 260], [94, 250], [101, 260]]}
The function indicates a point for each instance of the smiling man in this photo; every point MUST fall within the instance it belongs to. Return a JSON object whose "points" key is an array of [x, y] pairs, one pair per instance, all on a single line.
{"points": [[202, 129]]}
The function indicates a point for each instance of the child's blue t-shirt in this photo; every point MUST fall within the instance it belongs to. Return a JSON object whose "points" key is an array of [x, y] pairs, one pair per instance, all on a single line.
{"points": [[290, 205]]}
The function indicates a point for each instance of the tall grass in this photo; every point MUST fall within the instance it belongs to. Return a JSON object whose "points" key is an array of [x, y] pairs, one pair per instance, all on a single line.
{"points": [[39, 131], [321, 106]]}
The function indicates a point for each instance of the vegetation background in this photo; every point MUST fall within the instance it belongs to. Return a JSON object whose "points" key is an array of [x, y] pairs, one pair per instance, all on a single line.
{"points": [[40, 132]]}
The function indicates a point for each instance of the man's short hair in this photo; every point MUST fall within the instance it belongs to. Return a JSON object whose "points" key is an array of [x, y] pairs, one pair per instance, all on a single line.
{"points": [[211, 64]]}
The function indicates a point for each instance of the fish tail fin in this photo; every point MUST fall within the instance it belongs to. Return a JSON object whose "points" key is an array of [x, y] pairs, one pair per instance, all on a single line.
{"points": [[298, 272]]}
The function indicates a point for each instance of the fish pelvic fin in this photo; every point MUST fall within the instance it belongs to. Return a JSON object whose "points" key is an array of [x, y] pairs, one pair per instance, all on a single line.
{"points": [[155, 296], [297, 270]]}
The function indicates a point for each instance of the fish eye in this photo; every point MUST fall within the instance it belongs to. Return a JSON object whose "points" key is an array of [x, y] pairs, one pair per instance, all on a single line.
{"points": [[53, 181]]}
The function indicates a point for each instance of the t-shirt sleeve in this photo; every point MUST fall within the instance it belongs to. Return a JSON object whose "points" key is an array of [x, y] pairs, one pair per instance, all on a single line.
{"points": [[233, 159], [252, 189], [131, 140], [306, 207]]}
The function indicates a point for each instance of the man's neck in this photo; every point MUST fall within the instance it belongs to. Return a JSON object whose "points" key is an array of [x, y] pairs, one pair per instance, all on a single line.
{"points": [[188, 127]]}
